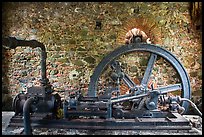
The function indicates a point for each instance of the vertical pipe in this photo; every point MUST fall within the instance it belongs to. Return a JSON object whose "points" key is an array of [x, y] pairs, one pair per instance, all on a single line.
{"points": [[43, 65], [26, 115]]}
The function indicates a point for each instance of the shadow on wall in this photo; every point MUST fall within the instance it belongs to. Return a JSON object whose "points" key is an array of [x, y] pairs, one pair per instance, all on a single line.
{"points": [[6, 97], [195, 10], [6, 55]]}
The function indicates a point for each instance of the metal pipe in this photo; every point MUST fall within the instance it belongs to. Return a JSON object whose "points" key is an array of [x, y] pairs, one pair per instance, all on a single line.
{"points": [[192, 104], [43, 65], [26, 115], [12, 43]]}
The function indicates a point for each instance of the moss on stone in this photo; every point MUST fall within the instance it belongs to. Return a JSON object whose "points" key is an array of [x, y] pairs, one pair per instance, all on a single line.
{"points": [[90, 59]]}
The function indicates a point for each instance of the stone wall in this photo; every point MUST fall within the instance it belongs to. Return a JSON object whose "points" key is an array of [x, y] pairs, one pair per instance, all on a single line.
{"points": [[78, 35]]}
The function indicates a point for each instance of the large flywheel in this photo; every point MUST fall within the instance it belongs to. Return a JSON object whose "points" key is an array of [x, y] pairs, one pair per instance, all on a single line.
{"points": [[133, 67]]}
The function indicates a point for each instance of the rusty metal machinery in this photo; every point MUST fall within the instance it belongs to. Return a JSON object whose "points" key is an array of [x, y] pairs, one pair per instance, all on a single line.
{"points": [[107, 106]]}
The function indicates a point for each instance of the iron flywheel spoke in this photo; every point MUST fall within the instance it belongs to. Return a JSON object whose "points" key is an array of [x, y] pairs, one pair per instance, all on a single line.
{"points": [[149, 69]]}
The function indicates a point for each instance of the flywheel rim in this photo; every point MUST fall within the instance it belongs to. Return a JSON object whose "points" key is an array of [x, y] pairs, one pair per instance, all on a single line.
{"points": [[124, 49]]}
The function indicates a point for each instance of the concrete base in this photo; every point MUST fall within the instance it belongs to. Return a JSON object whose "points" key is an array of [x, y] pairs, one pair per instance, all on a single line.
{"points": [[195, 120], [6, 116]]}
